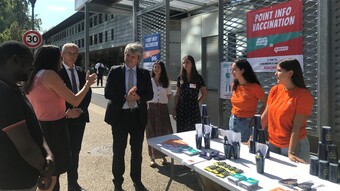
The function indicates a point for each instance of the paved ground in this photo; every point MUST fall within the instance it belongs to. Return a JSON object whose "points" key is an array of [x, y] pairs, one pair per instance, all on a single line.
{"points": [[96, 158]]}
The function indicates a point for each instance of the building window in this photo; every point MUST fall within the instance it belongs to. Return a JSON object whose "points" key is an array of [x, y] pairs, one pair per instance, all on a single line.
{"points": [[91, 40], [82, 26], [95, 39], [95, 20], [82, 42], [91, 22], [101, 37], [112, 34], [105, 36], [100, 17], [105, 17]]}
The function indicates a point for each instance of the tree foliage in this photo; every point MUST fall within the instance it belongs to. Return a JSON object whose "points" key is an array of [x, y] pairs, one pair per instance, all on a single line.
{"points": [[15, 19]]}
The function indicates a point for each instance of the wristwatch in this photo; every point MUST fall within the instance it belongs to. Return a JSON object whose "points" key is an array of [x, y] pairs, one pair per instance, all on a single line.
{"points": [[292, 152]]}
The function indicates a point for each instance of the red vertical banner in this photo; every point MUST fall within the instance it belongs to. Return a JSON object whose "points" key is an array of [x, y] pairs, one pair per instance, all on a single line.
{"points": [[274, 33]]}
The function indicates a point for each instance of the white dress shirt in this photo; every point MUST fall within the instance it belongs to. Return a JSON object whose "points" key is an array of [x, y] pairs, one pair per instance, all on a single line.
{"points": [[127, 72], [75, 75]]}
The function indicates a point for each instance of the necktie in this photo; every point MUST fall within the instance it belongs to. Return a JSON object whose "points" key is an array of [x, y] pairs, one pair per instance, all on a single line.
{"points": [[130, 85], [73, 81]]}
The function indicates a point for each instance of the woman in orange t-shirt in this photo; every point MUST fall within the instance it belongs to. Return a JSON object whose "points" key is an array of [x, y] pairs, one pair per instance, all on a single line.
{"points": [[289, 104], [246, 94]]}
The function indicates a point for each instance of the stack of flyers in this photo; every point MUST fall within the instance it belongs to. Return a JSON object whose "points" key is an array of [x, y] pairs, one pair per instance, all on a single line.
{"points": [[174, 143], [189, 150], [236, 178], [249, 184]]}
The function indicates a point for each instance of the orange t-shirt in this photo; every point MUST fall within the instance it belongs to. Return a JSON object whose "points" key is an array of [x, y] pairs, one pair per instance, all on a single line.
{"points": [[245, 99], [283, 105]]}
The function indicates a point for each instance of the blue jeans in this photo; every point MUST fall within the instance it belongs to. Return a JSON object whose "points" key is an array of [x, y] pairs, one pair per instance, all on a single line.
{"points": [[242, 125], [302, 149]]}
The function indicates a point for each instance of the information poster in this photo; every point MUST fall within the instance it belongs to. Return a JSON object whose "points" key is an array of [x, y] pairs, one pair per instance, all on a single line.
{"points": [[274, 33], [152, 50], [226, 80]]}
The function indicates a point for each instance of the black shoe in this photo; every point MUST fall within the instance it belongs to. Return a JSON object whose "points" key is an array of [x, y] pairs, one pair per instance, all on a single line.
{"points": [[139, 187], [75, 187]]}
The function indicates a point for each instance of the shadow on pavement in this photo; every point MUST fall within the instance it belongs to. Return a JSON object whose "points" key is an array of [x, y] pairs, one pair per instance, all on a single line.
{"points": [[181, 175]]}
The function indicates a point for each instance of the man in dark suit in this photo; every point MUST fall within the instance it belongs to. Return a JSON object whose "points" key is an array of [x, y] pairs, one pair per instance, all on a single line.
{"points": [[74, 78], [128, 88]]}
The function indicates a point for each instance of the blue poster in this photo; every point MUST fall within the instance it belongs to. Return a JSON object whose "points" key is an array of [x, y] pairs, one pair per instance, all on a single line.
{"points": [[152, 50]]}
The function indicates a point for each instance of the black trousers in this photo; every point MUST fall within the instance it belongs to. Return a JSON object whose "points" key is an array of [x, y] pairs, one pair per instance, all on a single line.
{"points": [[56, 135], [100, 78], [76, 128], [129, 124]]}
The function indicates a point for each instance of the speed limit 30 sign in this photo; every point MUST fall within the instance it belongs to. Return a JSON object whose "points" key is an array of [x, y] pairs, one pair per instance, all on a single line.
{"points": [[32, 39]]}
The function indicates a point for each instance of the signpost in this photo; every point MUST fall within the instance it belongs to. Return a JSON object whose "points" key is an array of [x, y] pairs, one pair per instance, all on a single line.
{"points": [[32, 39]]}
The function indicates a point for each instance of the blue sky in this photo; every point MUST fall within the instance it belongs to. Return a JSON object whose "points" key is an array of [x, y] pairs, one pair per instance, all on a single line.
{"points": [[52, 12]]}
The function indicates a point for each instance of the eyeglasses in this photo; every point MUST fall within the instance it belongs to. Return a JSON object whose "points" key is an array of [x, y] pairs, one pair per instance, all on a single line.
{"points": [[71, 54]]}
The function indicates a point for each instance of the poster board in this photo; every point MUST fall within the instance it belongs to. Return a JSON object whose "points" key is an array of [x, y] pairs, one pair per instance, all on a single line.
{"points": [[152, 50], [226, 80], [274, 33]]}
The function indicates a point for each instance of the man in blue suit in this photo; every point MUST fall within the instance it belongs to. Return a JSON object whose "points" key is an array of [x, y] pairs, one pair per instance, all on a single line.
{"points": [[74, 78], [128, 88]]}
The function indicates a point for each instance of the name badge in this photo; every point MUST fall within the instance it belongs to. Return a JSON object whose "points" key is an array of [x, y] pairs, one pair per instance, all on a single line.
{"points": [[192, 86]]}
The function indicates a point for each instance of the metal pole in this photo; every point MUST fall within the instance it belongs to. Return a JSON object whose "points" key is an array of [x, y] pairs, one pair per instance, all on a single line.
{"points": [[324, 101], [32, 17], [32, 4], [220, 59], [87, 38], [134, 18]]}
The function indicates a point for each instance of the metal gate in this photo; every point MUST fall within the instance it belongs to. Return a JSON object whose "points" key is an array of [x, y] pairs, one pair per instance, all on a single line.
{"points": [[235, 44], [153, 17], [335, 69]]}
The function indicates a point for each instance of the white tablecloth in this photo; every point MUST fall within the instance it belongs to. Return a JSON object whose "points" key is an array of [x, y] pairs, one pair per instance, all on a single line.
{"points": [[276, 167]]}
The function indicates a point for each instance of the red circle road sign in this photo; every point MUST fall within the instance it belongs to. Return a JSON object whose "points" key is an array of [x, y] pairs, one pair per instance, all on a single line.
{"points": [[32, 39]]}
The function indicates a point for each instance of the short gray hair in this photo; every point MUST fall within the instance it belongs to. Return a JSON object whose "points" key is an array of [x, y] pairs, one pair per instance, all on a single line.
{"points": [[68, 45], [135, 48]]}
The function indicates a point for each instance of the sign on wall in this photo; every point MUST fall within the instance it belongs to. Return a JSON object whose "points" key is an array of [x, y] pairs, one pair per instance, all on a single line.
{"points": [[226, 80], [152, 50], [274, 33]]}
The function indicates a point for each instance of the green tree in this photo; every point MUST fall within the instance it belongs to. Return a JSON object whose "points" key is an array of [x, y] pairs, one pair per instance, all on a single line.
{"points": [[15, 19]]}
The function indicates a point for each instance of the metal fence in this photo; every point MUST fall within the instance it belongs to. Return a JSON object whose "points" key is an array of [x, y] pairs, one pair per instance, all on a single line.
{"points": [[153, 19], [335, 69]]}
